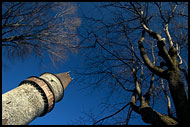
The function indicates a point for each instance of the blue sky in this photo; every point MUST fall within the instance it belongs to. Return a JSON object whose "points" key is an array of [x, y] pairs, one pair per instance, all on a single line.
{"points": [[76, 100]]}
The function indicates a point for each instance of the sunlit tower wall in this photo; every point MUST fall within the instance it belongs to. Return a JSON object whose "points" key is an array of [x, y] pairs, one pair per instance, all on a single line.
{"points": [[34, 97]]}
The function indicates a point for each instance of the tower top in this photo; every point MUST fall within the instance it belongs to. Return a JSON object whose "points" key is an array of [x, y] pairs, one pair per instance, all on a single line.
{"points": [[64, 78]]}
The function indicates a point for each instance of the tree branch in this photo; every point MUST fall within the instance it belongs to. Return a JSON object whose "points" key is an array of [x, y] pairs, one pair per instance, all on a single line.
{"points": [[161, 41], [160, 10], [112, 53], [180, 59], [112, 114], [168, 99], [166, 27], [129, 115], [133, 103], [131, 44], [149, 92], [152, 68], [114, 76], [156, 118], [149, 115]]}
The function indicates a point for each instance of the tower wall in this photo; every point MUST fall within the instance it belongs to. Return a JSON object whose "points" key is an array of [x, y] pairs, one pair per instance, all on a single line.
{"points": [[34, 97]]}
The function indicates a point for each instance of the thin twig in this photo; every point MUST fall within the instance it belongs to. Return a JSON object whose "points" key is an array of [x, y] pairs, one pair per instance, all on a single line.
{"points": [[112, 114]]}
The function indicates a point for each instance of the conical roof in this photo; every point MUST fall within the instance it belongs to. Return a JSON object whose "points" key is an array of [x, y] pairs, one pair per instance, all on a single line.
{"points": [[64, 78]]}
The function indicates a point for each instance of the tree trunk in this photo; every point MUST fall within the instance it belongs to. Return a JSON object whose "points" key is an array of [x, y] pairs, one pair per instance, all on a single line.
{"points": [[155, 118], [178, 95]]}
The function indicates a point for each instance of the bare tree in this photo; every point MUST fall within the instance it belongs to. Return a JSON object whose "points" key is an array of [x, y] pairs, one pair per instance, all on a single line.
{"points": [[147, 72], [39, 28]]}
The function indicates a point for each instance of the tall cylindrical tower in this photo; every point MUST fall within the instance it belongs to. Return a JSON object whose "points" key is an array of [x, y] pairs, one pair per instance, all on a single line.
{"points": [[34, 97]]}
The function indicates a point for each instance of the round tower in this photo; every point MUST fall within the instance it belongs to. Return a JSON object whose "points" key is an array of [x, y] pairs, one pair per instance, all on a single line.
{"points": [[34, 97]]}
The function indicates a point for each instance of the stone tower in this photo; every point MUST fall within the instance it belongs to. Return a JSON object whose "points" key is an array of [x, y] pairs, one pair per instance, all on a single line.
{"points": [[34, 97]]}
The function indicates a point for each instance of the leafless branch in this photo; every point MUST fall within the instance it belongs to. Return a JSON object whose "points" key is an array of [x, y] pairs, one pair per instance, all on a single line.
{"points": [[113, 54], [114, 76], [112, 114], [146, 59], [168, 98], [129, 115], [30, 25]]}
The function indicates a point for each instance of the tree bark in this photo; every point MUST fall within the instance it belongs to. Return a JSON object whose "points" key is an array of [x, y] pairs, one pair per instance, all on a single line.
{"points": [[155, 118], [173, 76], [151, 116], [178, 95]]}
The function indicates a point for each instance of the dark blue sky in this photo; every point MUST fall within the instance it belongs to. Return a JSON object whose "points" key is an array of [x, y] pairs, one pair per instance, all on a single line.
{"points": [[76, 100]]}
